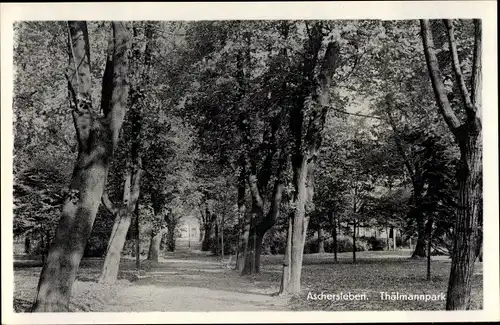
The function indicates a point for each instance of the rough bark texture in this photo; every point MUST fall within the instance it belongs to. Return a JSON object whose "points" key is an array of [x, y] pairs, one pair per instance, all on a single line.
{"points": [[97, 137], [468, 135], [420, 247], [154, 246], [156, 235], [133, 172], [262, 223], [242, 240], [285, 276], [306, 147], [123, 219]]}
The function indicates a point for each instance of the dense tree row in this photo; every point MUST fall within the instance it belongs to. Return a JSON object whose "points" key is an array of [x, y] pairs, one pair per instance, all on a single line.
{"points": [[267, 131]]}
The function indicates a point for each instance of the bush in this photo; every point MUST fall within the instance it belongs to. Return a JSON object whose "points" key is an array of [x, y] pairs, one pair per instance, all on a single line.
{"points": [[345, 244], [376, 244]]}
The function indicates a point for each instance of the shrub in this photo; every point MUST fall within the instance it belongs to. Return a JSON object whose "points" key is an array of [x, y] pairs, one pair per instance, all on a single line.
{"points": [[376, 244]]}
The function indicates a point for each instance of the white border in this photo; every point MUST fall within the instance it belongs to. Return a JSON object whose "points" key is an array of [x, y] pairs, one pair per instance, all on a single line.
{"points": [[261, 10]]}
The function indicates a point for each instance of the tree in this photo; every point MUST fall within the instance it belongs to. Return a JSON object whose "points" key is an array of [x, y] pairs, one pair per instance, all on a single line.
{"points": [[97, 137], [306, 127], [124, 213], [467, 133]]}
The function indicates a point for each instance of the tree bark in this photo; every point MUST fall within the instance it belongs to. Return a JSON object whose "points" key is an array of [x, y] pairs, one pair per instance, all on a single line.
{"points": [[242, 240], [429, 246], [154, 246], [468, 136], [262, 223], [110, 269], [123, 219], [306, 147], [137, 237], [285, 276], [97, 138], [420, 247], [171, 229]]}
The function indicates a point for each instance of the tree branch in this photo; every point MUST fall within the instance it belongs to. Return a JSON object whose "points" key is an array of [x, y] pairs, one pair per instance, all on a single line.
{"points": [[436, 78], [476, 80], [110, 206], [254, 190], [115, 86], [471, 110]]}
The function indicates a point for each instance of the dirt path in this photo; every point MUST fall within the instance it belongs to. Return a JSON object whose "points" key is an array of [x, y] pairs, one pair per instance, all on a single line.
{"points": [[194, 285]]}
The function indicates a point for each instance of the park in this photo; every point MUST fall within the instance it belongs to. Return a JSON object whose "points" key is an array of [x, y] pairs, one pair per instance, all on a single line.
{"points": [[247, 165]]}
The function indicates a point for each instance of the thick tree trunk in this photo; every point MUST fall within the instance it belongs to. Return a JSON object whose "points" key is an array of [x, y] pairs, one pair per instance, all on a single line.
{"points": [[299, 231], [123, 220], [243, 251], [171, 237], [242, 240], [110, 269], [468, 135], [306, 147], [208, 227], [420, 247], [27, 244], [154, 246], [261, 223], [96, 139], [321, 241], [467, 230]]}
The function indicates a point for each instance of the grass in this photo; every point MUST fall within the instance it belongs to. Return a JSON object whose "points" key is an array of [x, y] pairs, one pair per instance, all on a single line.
{"points": [[374, 272]]}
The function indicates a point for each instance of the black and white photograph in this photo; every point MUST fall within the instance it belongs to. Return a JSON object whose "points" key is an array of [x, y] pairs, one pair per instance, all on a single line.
{"points": [[250, 165]]}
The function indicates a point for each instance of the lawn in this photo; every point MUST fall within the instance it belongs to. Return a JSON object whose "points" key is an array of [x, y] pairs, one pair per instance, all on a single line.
{"points": [[197, 282]]}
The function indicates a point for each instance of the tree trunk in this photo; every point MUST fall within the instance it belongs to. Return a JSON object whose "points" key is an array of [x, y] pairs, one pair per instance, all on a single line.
{"points": [[300, 223], [171, 236], [468, 135], [335, 244], [27, 244], [123, 220], [285, 277], [206, 244], [354, 241], [321, 241], [242, 239], [261, 223], [154, 246], [96, 140], [137, 238], [467, 230], [307, 144], [216, 240], [222, 237], [421, 239], [109, 272], [333, 223], [394, 238], [157, 230]]}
